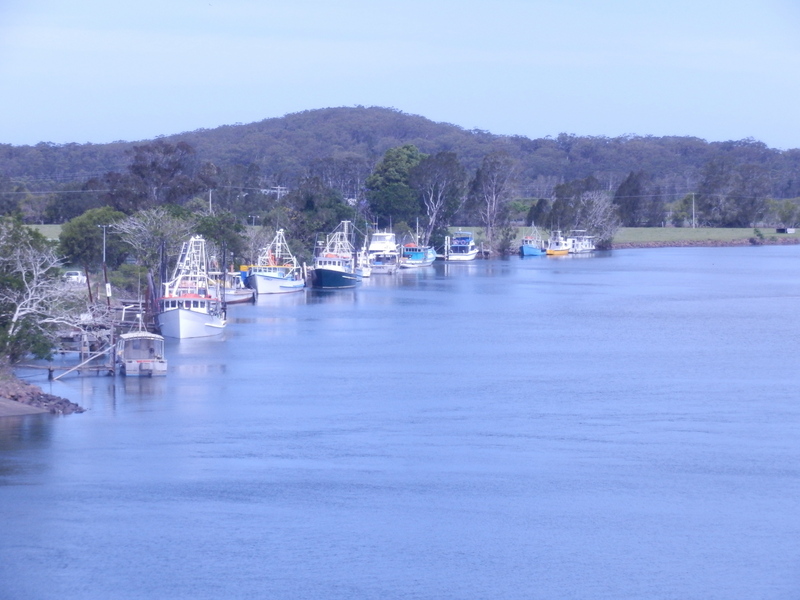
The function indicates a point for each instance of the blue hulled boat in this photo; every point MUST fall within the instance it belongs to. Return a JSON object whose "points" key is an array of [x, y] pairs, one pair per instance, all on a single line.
{"points": [[335, 260]]}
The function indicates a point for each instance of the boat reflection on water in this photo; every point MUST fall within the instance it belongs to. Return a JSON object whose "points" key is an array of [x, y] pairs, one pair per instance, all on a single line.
{"points": [[338, 296]]}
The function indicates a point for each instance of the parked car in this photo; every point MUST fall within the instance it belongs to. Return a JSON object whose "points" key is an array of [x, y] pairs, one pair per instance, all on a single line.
{"points": [[74, 277]]}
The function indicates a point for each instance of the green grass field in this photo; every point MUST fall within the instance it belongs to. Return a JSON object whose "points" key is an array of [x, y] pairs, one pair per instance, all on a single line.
{"points": [[51, 232], [636, 235]]}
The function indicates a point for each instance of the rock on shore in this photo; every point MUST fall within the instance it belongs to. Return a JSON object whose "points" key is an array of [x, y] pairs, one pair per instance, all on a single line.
{"points": [[21, 397]]}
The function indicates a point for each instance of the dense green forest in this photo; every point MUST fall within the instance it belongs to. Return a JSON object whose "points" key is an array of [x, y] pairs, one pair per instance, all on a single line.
{"points": [[320, 155]]}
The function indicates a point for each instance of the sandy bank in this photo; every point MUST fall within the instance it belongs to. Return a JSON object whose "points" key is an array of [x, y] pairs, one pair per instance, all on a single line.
{"points": [[19, 397]]}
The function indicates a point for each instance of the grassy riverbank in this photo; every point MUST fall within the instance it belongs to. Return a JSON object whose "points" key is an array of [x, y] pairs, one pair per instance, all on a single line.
{"points": [[632, 237], [712, 235], [626, 236]]}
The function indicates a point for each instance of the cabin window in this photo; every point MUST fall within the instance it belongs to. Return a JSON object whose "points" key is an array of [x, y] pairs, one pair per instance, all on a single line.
{"points": [[195, 303], [202, 304]]}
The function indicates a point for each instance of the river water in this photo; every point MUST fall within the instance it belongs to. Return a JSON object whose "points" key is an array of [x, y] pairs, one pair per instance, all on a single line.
{"points": [[625, 425]]}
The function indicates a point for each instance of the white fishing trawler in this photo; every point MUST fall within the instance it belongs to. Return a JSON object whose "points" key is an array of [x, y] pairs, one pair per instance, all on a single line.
{"points": [[277, 270], [188, 309]]}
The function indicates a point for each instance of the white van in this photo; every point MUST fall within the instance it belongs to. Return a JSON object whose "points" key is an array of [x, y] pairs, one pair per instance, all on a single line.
{"points": [[74, 277]]}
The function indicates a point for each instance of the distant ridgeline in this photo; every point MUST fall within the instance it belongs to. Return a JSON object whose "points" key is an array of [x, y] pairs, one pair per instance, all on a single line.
{"points": [[342, 146]]}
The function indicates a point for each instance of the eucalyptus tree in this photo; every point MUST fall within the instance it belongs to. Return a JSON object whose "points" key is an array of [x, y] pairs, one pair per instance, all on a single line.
{"points": [[629, 199], [154, 232], [34, 300], [733, 195], [491, 191], [440, 181]]}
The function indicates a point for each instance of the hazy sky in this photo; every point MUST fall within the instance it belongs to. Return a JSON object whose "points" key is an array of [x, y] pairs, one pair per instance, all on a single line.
{"points": [[100, 70]]}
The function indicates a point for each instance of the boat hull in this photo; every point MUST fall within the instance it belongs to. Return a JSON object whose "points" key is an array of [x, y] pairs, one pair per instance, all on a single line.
{"points": [[414, 258], [329, 279], [384, 268], [462, 256], [143, 368], [239, 296], [184, 323], [265, 284], [141, 354], [531, 251], [552, 252], [416, 264]]}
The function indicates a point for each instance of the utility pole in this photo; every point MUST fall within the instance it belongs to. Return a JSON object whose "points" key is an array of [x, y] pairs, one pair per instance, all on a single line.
{"points": [[105, 271]]}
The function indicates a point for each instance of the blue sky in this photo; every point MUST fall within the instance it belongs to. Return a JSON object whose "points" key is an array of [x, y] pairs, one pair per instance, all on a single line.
{"points": [[98, 71]]}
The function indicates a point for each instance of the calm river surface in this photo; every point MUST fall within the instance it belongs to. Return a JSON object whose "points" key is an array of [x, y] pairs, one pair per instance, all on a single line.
{"points": [[620, 426]]}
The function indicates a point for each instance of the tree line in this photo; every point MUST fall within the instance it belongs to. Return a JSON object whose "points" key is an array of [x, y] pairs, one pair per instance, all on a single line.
{"points": [[247, 165]]}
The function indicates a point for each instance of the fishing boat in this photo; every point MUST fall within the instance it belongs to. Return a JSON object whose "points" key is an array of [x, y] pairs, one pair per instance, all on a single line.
{"points": [[383, 252], [140, 354], [188, 309], [557, 245], [580, 243], [230, 288], [413, 255], [364, 262], [335, 260], [533, 244], [460, 247], [277, 270]]}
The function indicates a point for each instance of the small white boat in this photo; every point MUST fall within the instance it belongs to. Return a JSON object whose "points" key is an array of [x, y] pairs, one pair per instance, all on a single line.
{"points": [[579, 242], [188, 309], [140, 354], [460, 247], [277, 270], [383, 252]]}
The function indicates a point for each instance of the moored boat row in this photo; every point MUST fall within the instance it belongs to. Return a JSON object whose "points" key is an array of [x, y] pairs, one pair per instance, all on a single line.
{"points": [[578, 242]]}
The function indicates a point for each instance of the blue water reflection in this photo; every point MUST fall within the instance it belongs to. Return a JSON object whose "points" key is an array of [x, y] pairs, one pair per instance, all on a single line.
{"points": [[619, 426]]}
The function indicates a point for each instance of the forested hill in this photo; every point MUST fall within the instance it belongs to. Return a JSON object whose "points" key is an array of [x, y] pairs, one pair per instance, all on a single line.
{"points": [[283, 150]]}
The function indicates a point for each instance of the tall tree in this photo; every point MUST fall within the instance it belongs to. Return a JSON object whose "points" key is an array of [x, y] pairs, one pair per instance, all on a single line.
{"points": [[630, 199], [81, 239], [440, 181], [564, 212], [33, 298], [313, 208], [150, 233], [733, 195], [491, 191], [224, 230], [390, 196]]}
